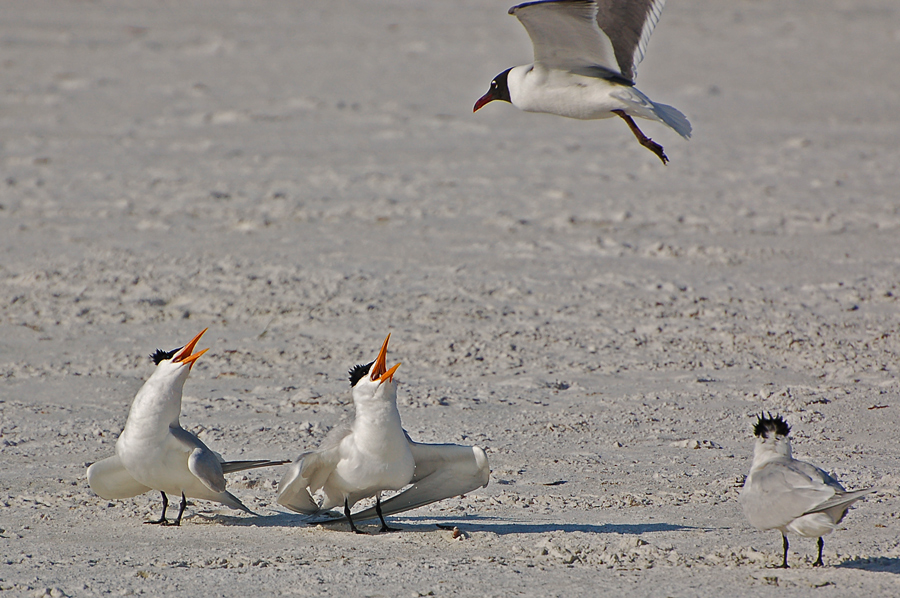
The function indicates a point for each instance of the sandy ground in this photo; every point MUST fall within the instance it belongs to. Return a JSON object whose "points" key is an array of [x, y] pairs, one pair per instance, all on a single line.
{"points": [[304, 177]]}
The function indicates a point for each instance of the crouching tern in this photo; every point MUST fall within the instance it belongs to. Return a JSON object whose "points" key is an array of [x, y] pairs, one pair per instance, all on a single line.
{"points": [[155, 453], [374, 453], [586, 55], [789, 495]]}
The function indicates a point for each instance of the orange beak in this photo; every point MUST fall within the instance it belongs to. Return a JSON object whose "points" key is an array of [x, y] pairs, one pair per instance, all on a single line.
{"points": [[186, 356], [388, 375], [192, 358], [379, 367]]}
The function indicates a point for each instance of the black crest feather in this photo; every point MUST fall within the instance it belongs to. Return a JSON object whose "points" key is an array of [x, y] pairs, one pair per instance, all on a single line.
{"points": [[358, 372], [161, 355], [767, 424]]}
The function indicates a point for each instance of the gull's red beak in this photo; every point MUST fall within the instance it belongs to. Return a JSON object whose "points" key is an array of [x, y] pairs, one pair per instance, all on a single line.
{"points": [[186, 354], [483, 100]]}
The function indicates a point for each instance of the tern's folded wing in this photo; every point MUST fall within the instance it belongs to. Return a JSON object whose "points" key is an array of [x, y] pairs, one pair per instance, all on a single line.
{"points": [[207, 468], [203, 462], [841, 500], [308, 472], [778, 493], [109, 479], [442, 471]]}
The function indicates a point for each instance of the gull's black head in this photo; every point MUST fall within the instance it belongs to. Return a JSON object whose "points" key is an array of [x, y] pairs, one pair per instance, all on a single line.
{"points": [[161, 355], [767, 425], [358, 372], [500, 86], [499, 90]]}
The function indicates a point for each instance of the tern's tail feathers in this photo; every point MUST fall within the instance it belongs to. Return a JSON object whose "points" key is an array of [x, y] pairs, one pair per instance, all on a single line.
{"points": [[109, 479], [672, 117], [442, 471], [235, 466]]}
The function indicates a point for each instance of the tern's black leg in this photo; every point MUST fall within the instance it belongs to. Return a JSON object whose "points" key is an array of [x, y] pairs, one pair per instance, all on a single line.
{"points": [[784, 564], [350, 519], [180, 511], [384, 525], [162, 520], [643, 139], [819, 562]]}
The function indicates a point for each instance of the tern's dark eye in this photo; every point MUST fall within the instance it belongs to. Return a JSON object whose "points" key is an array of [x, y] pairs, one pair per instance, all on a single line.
{"points": [[161, 355], [358, 372]]}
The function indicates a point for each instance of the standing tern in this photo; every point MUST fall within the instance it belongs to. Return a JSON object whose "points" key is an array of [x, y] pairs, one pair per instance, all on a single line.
{"points": [[155, 453], [374, 453], [789, 495], [586, 55]]}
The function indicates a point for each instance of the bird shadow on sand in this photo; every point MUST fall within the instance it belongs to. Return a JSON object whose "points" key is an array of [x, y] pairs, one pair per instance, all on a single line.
{"points": [[880, 564], [471, 523], [502, 526], [255, 520]]}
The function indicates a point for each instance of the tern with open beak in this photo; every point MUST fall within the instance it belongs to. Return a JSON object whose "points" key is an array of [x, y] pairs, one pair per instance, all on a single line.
{"points": [[374, 454], [586, 55], [155, 453], [789, 495]]}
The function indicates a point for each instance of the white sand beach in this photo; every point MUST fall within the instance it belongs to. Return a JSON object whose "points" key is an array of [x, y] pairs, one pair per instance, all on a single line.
{"points": [[305, 177]]}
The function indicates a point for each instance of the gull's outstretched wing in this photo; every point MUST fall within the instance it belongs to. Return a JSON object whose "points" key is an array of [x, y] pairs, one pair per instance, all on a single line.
{"points": [[109, 479], [565, 35], [628, 24], [442, 471]]}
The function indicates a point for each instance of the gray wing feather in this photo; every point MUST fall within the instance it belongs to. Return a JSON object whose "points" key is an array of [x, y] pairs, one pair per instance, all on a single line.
{"points": [[841, 500], [109, 479], [205, 465], [335, 436], [308, 473], [629, 24], [292, 490], [816, 474], [565, 34], [442, 471], [781, 491], [235, 466], [227, 498]]}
